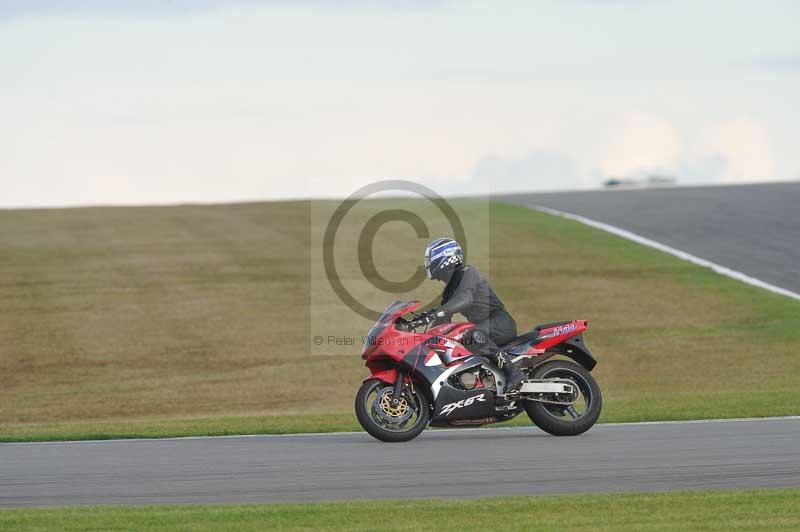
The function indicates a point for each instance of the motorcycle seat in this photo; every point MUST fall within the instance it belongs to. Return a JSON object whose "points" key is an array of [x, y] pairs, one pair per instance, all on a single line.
{"points": [[521, 339]]}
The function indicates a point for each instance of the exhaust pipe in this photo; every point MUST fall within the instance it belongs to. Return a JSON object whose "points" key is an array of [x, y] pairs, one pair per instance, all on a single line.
{"points": [[473, 422]]}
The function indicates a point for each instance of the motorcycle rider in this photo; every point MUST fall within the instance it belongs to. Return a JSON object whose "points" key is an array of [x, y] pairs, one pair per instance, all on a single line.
{"points": [[469, 293]]}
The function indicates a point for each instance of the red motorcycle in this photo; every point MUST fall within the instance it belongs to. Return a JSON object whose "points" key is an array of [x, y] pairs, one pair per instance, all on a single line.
{"points": [[428, 377]]}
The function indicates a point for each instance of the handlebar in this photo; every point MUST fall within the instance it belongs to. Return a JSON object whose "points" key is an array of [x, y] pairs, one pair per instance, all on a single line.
{"points": [[421, 320]]}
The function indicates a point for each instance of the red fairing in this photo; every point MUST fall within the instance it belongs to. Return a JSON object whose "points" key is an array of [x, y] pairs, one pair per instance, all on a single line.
{"points": [[450, 330], [555, 335], [386, 375], [390, 341], [390, 345]]}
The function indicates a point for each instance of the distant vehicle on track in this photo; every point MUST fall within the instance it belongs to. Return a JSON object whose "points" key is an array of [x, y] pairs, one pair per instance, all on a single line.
{"points": [[655, 180]]}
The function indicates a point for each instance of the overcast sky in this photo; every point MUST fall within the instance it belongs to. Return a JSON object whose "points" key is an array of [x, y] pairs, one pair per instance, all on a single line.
{"points": [[159, 102]]}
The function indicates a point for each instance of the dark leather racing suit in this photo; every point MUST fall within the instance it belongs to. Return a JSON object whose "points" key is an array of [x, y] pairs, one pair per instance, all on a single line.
{"points": [[469, 293]]}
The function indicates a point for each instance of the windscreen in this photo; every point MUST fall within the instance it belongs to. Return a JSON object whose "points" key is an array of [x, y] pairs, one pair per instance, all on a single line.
{"points": [[382, 322], [390, 310]]}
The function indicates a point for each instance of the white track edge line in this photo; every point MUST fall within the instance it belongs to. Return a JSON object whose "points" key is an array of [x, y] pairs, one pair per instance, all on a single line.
{"points": [[629, 235], [439, 431]]}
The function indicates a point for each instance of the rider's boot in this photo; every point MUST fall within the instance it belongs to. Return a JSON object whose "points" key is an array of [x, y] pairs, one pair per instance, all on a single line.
{"points": [[514, 376]]}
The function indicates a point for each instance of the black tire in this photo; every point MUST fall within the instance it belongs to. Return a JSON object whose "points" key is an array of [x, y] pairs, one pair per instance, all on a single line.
{"points": [[555, 420], [365, 408]]}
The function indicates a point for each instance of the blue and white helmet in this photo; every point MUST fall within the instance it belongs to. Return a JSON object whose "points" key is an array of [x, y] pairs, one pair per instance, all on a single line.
{"points": [[442, 255]]}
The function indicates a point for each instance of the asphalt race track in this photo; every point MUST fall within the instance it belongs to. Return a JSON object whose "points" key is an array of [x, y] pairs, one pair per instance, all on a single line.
{"points": [[754, 229], [440, 463]]}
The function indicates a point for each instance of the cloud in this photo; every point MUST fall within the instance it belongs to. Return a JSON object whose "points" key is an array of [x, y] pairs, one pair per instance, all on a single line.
{"points": [[602, 3], [702, 168], [15, 8], [774, 63], [745, 146], [641, 143], [537, 170]]}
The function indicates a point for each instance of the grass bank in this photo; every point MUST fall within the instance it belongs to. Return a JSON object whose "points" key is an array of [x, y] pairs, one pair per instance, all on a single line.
{"points": [[193, 320]]}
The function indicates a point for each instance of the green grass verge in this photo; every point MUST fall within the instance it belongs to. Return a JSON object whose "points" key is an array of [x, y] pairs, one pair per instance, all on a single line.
{"points": [[765, 509], [168, 428]]}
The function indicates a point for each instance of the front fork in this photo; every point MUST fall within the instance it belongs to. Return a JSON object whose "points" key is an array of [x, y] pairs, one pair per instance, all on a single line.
{"points": [[398, 387]]}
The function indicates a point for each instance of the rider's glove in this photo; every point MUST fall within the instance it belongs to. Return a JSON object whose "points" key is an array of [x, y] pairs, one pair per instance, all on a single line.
{"points": [[418, 322], [426, 318], [435, 314]]}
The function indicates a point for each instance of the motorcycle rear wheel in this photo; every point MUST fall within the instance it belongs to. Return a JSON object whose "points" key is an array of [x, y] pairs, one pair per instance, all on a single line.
{"points": [[385, 422], [567, 421]]}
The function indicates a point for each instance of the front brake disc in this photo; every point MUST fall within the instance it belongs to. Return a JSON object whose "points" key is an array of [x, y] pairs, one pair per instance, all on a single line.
{"points": [[389, 413]]}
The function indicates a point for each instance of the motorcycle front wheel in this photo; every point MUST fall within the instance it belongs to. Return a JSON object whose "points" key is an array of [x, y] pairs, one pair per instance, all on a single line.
{"points": [[388, 421], [563, 420]]}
